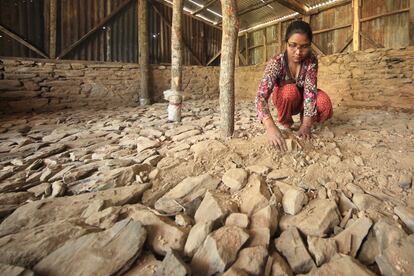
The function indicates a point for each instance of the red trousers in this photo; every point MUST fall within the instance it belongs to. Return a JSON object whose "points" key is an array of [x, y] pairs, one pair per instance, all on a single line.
{"points": [[289, 101]]}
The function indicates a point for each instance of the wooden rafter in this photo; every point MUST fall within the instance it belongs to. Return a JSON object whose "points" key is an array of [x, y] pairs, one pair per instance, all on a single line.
{"points": [[94, 29], [347, 42], [22, 41], [252, 8], [214, 58], [370, 40], [184, 42], [294, 5], [206, 6], [317, 49]]}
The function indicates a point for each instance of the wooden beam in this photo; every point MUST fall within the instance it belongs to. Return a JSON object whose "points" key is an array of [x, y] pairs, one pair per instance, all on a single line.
{"points": [[228, 53], [94, 29], [332, 29], [214, 58], [206, 6], [19, 39], [317, 49], [384, 14], [243, 59], [52, 28], [264, 45], [411, 23], [279, 33], [184, 42], [335, 4], [347, 42], [177, 46], [246, 46], [143, 52], [295, 6], [251, 8], [356, 5], [370, 40]]}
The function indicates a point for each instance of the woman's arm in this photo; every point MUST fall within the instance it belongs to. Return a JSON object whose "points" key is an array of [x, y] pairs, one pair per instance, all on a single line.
{"points": [[266, 86]]}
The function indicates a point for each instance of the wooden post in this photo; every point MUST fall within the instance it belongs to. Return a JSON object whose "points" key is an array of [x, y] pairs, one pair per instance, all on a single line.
{"points": [[143, 51], [264, 45], [356, 25], [177, 46], [279, 33], [228, 52], [411, 23], [237, 52], [52, 36], [246, 47], [109, 33]]}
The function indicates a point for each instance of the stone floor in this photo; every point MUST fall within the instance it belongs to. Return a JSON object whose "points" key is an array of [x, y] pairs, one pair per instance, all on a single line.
{"points": [[122, 191]]}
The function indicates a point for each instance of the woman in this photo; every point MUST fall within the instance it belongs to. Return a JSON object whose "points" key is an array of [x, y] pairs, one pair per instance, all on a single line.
{"points": [[291, 78]]}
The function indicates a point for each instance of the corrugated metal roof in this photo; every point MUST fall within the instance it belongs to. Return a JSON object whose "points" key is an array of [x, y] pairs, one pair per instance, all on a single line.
{"points": [[263, 14]]}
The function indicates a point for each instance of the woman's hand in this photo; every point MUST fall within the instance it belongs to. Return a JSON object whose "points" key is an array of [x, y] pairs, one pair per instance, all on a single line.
{"points": [[305, 129], [274, 135]]}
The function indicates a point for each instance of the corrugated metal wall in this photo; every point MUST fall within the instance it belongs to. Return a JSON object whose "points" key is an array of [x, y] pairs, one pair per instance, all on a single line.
{"points": [[115, 41]]}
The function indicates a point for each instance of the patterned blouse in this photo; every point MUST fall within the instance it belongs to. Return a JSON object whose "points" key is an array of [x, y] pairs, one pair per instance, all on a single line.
{"points": [[277, 73]]}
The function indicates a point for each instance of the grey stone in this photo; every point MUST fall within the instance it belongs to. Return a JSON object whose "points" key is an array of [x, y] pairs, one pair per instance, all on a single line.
{"points": [[259, 236], [266, 217], [293, 201], [259, 169], [146, 265], [252, 260], [235, 179], [279, 266], [173, 265], [406, 215], [196, 237], [397, 259], [321, 249], [11, 270], [290, 244], [237, 219], [185, 192], [255, 195], [108, 252], [365, 201], [144, 143], [342, 265], [218, 251], [405, 181], [214, 207]]}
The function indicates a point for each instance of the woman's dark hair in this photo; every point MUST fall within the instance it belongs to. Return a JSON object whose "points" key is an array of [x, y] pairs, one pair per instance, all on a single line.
{"points": [[298, 27]]}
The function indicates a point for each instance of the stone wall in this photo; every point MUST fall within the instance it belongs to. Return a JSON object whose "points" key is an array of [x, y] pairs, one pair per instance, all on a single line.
{"points": [[46, 85], [372, 78]]}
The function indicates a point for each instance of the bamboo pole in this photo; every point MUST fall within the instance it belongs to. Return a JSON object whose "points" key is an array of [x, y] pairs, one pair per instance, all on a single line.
{"points": [[356, 25], [227, 65], [143, 49], [177, 46]]}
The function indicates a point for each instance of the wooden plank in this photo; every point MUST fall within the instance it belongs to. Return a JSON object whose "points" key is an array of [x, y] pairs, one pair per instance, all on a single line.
{"points": [[184, 42], [246, 46], [22, 41], [317, 49], [242, 59], [94, 29], [332, 29], [264, 45], [370, 40], [52, 33], [214, 58], [347, 42], [411, 23], [206, 6], [384, 14], [356, 7], [279, 31]]}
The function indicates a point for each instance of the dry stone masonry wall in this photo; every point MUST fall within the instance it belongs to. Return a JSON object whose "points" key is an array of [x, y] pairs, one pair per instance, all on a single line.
{"points": [[371, 78], [46, 85]]}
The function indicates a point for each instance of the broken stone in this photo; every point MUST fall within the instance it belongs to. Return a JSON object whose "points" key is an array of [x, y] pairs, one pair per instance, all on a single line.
{"points": [[196, 237], [207, 148], [279, 266], [252, 260], [405, 181], [144, 143], [104, 218], [259, 236], [293, 201], [397, 259], [365, 201], [258, 169], [290, 244], [183, 220], [173, 265], [318, 218], [266, 217], [322, 250], [185, 135], [163, 234], [237, 219], [58, 189], [121, 177], [280, 174], [406, 215], [232, 271], [354, 189], [350, 240], [235, 179], [185, 192], [255, 195], [146, 265], [342, 265], [88, 254], [219, 250], [214, 208]]}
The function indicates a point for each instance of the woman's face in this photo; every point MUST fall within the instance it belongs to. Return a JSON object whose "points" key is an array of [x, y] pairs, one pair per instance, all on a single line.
{"points": [[298, 47]]}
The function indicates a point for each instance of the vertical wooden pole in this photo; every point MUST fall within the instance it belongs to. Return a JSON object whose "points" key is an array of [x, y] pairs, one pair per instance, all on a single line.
{"points": [[411, 23], [356, 7], [237, 52], [279, 33], [246, 46], [53, 23], [108, 33], [177, 46], [143, 51], [264, 45], [228, 52]]}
